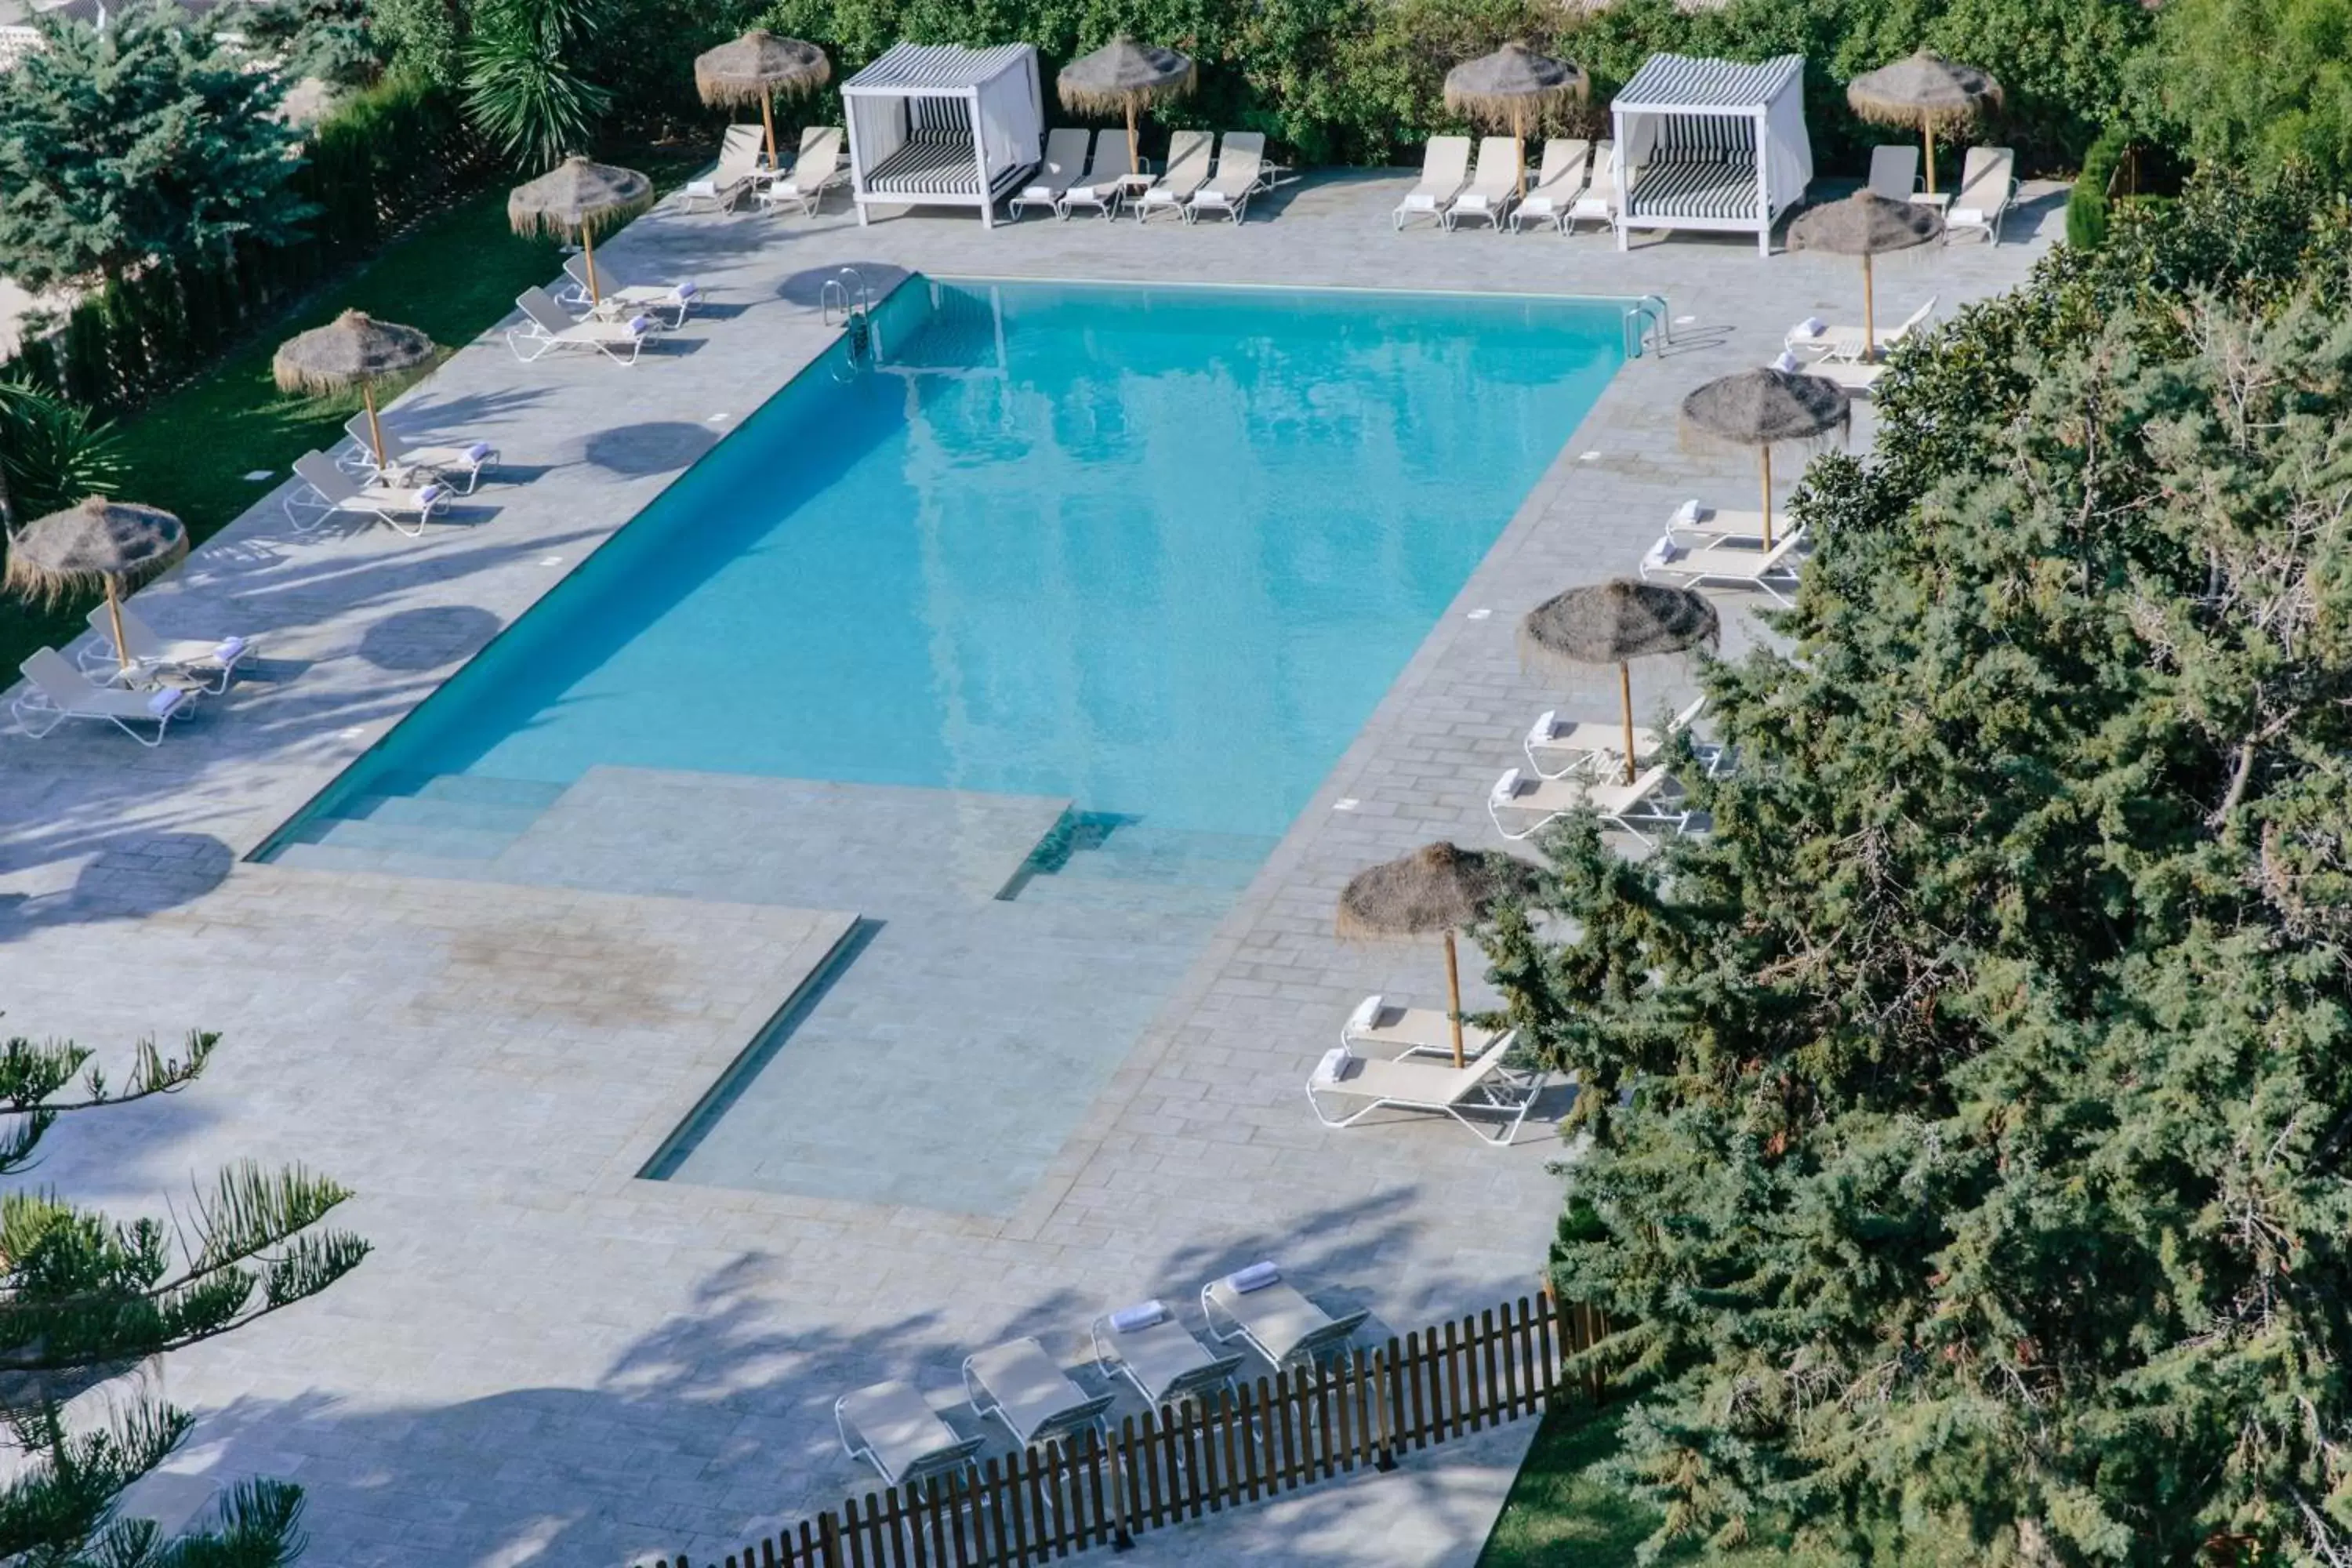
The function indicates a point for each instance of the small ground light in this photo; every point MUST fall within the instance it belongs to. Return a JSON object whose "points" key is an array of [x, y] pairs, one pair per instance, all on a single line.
{"points": [[258, 475], [1480, 615], [1588, 457], [1346, 803], [551, 561]]}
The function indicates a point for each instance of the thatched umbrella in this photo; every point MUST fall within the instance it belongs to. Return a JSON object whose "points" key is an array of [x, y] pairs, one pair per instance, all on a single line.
{"points": [[1759, 408], [354, 349], [1511, 87], [1616, 622], [1125, 76], [576, 198], [1437, 888], [1866, 224], [115, 545], [761, 65], [1926, 93]]}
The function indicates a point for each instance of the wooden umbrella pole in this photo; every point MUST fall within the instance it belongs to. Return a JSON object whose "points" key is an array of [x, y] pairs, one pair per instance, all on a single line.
{"points": [[588, 250], [1625, 694], [375, 429], [1927, 135], [1519, 139], [1133, 164], [1869, 310], [123, 659], [768, 119], [1766, 453], [1454, 995]]}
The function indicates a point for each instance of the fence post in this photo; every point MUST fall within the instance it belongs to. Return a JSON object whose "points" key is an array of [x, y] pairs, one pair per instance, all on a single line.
{"points": [[828, 1539]]}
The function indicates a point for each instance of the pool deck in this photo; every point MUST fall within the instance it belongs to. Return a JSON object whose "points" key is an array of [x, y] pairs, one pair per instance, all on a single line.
{"points": [[549, 1361]]}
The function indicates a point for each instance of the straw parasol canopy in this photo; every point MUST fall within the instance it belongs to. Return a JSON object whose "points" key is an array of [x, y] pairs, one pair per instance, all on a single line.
{"points": [[759, 64], [1866, 225], [1438, 889], [114, 545], [576, 198], [1926, 93], [1616, 622], [1511, 87], [1124, 77], [1762, 408], [352, 349]]}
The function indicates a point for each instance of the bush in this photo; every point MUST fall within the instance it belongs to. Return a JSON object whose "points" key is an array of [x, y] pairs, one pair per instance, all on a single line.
{"points": [[2086, 203]]}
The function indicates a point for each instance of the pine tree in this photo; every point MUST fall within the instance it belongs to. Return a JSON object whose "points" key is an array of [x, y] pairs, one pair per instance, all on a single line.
{"points": [[84, 1297], [1970, 1110]]}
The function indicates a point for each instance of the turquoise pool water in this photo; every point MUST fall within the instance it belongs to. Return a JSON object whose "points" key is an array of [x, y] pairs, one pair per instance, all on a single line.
{"points": [[1158, 549]]}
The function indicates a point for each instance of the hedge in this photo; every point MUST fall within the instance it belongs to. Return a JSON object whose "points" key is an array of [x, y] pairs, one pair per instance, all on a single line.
{"points": [[386, 158]]}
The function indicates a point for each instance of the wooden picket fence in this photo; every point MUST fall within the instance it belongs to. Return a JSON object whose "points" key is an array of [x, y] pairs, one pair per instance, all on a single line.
{"points": [[1256, 1442]]}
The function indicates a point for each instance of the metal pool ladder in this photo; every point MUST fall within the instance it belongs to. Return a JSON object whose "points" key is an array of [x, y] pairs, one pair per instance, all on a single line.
{"points": [[846, 302], [1647, 320]]}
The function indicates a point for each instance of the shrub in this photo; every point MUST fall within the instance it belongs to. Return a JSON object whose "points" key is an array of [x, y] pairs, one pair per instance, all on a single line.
{"points": [[2086, 203]]}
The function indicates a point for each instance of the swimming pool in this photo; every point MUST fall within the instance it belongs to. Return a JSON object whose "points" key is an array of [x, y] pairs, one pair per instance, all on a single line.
{"points": [[1155, 551]]}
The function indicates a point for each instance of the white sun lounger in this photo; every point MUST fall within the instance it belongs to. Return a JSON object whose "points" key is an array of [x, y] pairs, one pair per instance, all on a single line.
{"points": [[1772, 569], [1020, 1385], [1378, 1022], [1631, 806], [1105, 181], [1495, 187], [547, 328], [630, 299], [1273, 1318], [1065, 158], [1415, 1083], [1240, 175], [1895, 171], [1988, 190], [57, 692], [1559, 182], [213, 660], [812, 174], [1158, 1355], [1822, 342], [892, 1428], [451, 463], [1859, 380], [1599, 202], [1444, 170], [1596, 745], [738, 170], [327, 491], [1187, 172]]}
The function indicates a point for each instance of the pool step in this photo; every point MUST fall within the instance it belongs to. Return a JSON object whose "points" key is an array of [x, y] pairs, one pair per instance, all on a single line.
{"points": [[1122, 853], [332, 856], [427, 822]]}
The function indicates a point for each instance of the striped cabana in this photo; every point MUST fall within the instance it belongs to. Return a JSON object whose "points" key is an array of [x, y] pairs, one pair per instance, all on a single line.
{"points": [[940, 125], [1711, 145]]}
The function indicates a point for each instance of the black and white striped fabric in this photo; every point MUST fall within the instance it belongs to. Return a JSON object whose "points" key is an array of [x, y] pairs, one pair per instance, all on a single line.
{"points": [[919, 67], [1695, 191], [1668, 82], [928, 168], [1706, 139], [938, 119]]}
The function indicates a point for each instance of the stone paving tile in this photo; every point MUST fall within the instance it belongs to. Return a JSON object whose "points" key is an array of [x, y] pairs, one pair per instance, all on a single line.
{"points": [[548, 1360]]}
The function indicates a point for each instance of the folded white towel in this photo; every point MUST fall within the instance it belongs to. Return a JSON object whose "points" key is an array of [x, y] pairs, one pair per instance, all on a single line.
{"points": [[1257, 1277], [1367, 1015], [686, 290], [1664, 553], [1810, 327], [640, 325], [1142, 1315], [162, 703], [1506, 788], [1540, 731], [1972, 215], [1687, 513], [702, 187], [480, 452], [1333, 1065], [1787, 363], [229, 648]]}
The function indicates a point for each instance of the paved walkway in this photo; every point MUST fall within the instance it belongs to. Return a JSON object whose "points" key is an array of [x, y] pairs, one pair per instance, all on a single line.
{"points": [[549, 1361]]}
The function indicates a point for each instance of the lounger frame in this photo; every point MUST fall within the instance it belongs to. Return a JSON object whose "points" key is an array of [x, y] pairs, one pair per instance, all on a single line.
{"points": [[1315, 1346], [1215, 1373], [1513, 1099]]}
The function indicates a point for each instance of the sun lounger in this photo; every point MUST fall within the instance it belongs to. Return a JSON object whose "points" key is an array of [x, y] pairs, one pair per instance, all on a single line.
{"points": [[892, 1428], [1567, 167], [1066, 159], [327, 491], [1187, 172], [812, 174], [1494, 188], [1599, 202], [1020, 1385], [630, 299], [738, 170], [1415, 1083], [448, 462], [1444, 170], [1158, 1355], [1596, 745], [1377, 1021], [1988, 190], [1816, 341], [1240, 175], [1730, 566], [57, 691], [213, 661], [1696, 527], [1859, 380], [1105, 181], [1895, 171], [1631, 806], [1259, 1308], [546, 328]]}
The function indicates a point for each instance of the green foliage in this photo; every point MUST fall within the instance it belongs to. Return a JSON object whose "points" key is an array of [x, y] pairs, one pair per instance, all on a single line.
{"points": [[2086, 203], [425, 39], [1970, 1110], [140, 142], [2257, 84], [528, 85], [329, 40], [52, 454]]}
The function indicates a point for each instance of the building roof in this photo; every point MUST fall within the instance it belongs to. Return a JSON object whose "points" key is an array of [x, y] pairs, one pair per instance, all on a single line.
{"points": [[938, 68], [1667, 82]]}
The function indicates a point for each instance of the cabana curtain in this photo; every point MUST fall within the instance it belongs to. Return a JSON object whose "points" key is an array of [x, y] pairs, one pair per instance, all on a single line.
{"points": [[1712, 144]]}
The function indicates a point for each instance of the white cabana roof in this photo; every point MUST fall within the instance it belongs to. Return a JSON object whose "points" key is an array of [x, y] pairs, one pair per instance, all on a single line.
{"points": [[1681, 84], [914, 68]]}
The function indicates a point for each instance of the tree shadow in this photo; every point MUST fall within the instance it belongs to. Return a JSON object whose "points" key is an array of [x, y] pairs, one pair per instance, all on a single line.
{"points": [[428, 638], [133, 876], [656, 447]]}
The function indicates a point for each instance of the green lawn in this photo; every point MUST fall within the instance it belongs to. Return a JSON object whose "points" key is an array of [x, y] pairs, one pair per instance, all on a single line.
{"points": [[1555, 1516], [453, 275]]}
